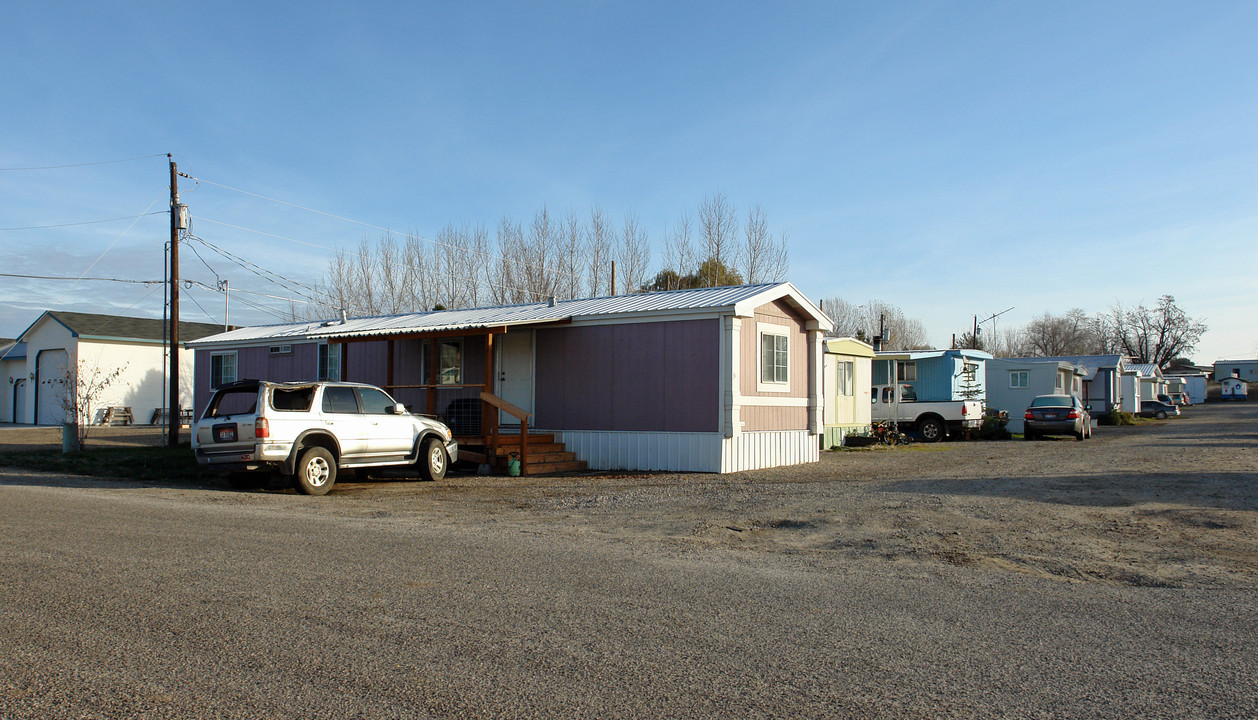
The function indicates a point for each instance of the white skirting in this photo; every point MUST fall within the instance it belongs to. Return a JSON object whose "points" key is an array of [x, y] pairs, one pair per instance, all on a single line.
{"points": [[690, 452]]}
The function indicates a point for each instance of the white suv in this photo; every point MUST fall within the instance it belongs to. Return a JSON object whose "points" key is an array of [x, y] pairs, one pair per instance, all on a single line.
{"points": [[309, 430]]}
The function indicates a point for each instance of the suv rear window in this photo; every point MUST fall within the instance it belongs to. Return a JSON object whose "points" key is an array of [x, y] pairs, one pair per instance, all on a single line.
{"points": [[233, 401], [292, 399]]}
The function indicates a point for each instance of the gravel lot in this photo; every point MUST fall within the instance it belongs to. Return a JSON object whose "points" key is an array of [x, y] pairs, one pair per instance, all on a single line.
{"points": [[1056, 579]]}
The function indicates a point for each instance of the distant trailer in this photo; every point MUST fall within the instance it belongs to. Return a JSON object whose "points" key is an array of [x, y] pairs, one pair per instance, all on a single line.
{"points": [[1196, 389], [1235, 389]]}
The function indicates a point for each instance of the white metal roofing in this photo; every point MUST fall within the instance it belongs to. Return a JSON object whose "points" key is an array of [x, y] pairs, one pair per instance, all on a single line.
{"points": [[741, 299]]}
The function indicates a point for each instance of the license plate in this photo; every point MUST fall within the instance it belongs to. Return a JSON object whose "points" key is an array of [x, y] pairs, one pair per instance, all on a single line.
{"points": [[225, 433], [1050, 416]]}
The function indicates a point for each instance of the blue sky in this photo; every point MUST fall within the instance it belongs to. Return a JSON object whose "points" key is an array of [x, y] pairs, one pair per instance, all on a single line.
{"points": [[955, 159]]}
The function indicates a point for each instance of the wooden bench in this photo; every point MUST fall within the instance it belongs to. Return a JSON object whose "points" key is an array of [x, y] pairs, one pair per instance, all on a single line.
{"points": [[117, 416]]}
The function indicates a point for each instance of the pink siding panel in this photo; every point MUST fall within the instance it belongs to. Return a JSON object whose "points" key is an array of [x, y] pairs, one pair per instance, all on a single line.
{"points": [[640, 376], [776, 313], [762, 419]]}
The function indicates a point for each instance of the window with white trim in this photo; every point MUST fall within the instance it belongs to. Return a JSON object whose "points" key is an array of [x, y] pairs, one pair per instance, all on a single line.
{"points": [[1019, 379], [222, 369], [1059, 381], [775, 356], [330, 361], [844, 384], [906, 372]]}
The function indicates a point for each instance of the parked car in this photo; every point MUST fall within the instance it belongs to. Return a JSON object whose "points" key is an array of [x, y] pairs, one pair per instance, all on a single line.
{"points": [[1057, 415], [1157, 409], [308, 431], [1176, 398]]}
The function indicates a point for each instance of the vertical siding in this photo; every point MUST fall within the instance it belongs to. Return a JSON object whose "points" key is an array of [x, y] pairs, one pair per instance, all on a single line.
{"points": [[756, 450], [652, 377], [691, 452]]}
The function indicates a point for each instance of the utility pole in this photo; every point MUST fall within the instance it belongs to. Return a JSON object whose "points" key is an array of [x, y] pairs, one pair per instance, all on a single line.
{"points": [[172, 437]]}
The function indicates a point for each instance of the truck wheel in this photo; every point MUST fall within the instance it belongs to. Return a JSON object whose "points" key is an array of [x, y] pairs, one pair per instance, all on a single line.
{"points": [[932, 429], [432, 462], [316, 471]]}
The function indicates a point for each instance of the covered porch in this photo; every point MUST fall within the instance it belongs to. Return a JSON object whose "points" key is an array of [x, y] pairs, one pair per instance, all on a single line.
{"points": [[479, 381]]}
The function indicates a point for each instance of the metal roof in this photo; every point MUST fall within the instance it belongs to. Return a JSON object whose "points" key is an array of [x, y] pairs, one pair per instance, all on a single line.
{"points": [[741, 299], [118, 327]]}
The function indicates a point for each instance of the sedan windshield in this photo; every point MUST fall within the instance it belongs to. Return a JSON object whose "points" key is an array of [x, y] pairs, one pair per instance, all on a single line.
{"points": [[1051, 401]]}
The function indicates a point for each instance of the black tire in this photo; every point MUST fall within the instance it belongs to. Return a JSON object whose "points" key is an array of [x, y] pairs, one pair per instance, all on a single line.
{"points": [[932, 430], [1028, 435], [1160, 414], [316, 471], [433, 460]]}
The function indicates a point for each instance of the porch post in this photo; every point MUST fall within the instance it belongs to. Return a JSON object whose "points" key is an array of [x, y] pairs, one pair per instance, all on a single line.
{"points": [[388, 371], [814, 379], [485, 408], [434, 357]]}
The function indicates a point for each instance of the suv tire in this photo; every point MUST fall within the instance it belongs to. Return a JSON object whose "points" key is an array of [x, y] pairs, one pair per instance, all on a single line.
{"points": [[432, 460], [316, 471]]}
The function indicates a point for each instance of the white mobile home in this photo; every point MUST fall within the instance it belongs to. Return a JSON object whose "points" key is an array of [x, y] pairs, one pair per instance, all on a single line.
{"points": [[1013, 382]]}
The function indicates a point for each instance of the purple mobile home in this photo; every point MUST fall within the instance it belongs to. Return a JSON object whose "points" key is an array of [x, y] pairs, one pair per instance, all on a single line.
{"points": [[712, 379]]}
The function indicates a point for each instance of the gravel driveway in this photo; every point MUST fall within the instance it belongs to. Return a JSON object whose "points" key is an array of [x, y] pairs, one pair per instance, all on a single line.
{"points": [[1112, 578]]}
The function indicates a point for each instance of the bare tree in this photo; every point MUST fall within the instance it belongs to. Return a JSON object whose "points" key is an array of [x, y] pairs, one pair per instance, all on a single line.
{"points": [[81, 390], [1008, 342], [761, 257], [863, 322], [635, 254], [718, 228], [1156, 335], [849, 319], [1057, 335], [679, 254], [572, 258], [599, 254]]}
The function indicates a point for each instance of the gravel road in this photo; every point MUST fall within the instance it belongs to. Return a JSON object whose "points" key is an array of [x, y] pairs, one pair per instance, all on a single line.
{"points": [[1112, 578]]}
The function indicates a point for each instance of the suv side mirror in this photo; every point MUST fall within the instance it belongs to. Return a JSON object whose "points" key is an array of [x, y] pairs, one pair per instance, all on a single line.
{"points": [[397, 409]]}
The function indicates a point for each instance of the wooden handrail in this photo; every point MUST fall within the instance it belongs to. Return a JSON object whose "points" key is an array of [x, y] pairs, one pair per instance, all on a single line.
{"points": [[505, 406], [516, 412]]}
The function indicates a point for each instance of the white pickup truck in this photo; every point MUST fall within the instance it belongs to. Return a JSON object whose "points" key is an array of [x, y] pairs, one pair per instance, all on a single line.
{"points": [[932, 420]]}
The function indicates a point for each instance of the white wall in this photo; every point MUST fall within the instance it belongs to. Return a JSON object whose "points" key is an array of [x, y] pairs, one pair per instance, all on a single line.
{"points": [[691, 452], [142, 381]]}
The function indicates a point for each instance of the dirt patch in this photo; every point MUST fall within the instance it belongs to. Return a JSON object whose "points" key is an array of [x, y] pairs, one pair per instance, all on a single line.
{"points": [[1165, 504]]}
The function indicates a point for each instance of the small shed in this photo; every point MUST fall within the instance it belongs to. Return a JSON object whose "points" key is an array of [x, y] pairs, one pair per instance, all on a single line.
{"points": [[846, 381], [61, 349], [1234, 389]]}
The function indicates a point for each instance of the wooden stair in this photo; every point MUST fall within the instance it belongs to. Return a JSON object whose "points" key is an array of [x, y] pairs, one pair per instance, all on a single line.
{"points": [[546, 456]]}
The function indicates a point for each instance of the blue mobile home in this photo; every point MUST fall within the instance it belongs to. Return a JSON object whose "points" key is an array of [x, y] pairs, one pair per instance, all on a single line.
{"points": [[936, 375]]}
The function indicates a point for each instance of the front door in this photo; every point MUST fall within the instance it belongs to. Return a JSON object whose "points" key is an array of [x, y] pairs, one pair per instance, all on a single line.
{"points": [[55, 385], [19, 401], [515, 373]]}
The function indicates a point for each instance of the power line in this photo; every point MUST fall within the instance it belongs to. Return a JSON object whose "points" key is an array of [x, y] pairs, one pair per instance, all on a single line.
{"points": [[254, 268], [373, 226], [85, 222], [103, 279], [86, 164]]}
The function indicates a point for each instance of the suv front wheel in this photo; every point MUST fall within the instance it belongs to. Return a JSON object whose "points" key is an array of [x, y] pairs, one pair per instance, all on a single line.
{"points": [[316, 471], [433, 461]]}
